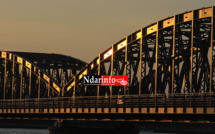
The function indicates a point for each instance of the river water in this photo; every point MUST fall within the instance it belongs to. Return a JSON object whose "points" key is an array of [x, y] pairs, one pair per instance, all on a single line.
{"points": [[45, 131], [23, 131]]}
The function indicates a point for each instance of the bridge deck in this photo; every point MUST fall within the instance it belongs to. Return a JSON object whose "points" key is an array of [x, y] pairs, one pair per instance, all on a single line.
{"points": [[144, 104]]}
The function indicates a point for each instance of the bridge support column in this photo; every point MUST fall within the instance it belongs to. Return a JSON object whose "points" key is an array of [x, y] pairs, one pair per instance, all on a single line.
{"points": [[127, 128], [95, 127], [59, 128]]}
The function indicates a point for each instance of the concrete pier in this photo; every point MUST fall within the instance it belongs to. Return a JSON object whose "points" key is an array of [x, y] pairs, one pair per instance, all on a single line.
{"points": [[94, 127]]}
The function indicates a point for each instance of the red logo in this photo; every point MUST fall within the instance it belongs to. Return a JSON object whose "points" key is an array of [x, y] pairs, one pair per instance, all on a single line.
{"points": [[114, 80]]}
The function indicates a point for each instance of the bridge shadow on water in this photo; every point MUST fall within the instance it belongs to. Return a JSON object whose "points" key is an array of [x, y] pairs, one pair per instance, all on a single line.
{"points": [[92, 131], [137, 128], [94, 128], [97, 127]]}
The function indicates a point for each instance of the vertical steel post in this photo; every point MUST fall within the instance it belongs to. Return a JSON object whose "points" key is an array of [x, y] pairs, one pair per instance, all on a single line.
{"points": [[85, 87], [53, 73], [111, 88], [62, 81], [30, 81], [49, 89], [173, 56], [74, 87], [191, 60], [62, 92], [211, 60], [13, 73], [156, 57], [141, 49], [184, 84], [39, 77], [53, 76], [62, 77], [21, 79], [71, 73], [116, 104], [5, 73], [126, 58], [99, 73]]}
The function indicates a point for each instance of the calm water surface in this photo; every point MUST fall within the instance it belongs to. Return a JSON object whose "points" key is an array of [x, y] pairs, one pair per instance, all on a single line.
{"points": [[44, 131], [23, 131]]}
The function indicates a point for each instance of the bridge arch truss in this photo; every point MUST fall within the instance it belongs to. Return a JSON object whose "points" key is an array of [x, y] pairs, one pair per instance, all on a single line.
{"points": [[173, 55], [35, 75]]}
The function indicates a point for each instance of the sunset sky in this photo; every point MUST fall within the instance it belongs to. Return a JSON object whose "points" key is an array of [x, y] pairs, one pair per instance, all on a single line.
{"points": [[80, 28]]}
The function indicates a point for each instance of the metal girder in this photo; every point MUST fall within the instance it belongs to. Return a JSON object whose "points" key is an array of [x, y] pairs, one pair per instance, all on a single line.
{"points": [[21, 79], [173, 55], [54, 64]]}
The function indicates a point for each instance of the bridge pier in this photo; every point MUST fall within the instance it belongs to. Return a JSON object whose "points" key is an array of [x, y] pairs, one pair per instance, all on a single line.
{"points": [[127, 128], [59, 128], [95, 127]]}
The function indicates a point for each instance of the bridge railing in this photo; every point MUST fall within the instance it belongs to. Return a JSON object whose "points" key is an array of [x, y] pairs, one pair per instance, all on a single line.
{"points": [[118, 101]]}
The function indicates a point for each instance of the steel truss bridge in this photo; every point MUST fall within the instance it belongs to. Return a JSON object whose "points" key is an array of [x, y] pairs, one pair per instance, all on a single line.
{"points": [[170, 66]]}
